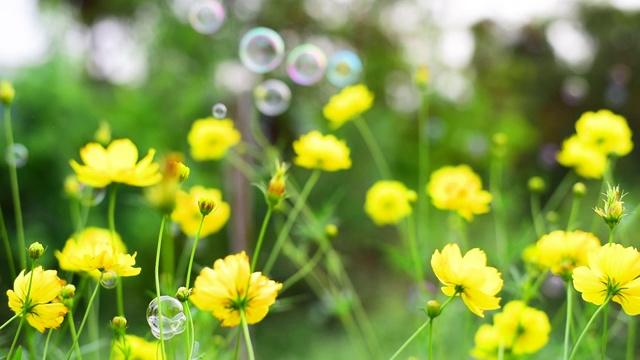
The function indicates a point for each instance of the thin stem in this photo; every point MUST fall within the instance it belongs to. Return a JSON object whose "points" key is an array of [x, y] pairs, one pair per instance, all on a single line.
{"points": [[263, 229], [9, 321], [15, 188], [573, 215], [191, 332], [567, 327], [15, 338], [413, 248], [536, 212], [72, 327], [157, 279], [308, 267], [430, 340], [46, 344], [610, 235], [631, 337], [284, 233], [423, 167], [84, 318], [112, 231], [236, 351], [501, 350], [462, 229], [605, 322], [247, 336], [193, 251], [410, 339], [584, 332], [374, 149], [7, 246], [498, 205]]}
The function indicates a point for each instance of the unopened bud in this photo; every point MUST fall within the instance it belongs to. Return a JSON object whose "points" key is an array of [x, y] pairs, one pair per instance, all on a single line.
{"points": [[36, 250], [536, 185], [331, 230], [579, 189], [614, 209], [433, 309], [276, 190], [206, 205], [119, 324], [421, 77], [7, 93], [68, 291], [183, 294]]}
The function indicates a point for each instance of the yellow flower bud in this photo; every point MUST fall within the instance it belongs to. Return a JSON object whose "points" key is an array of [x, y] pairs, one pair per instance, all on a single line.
{"points": [[614, 209], [331, 230], [103, 134], [421, 76], [206, 205], [536, 185], [119, 325], [433, 308], [68, 291], [7, 93], [579, 189], [36, 250], [276, 190], [183, 294]]}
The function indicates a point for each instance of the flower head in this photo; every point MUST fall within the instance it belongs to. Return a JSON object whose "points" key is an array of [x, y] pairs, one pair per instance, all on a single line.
{"points": [[117, 163], [613, 209], [388, 202], [563, 251], [93, 251], [229, 288], [349, 103], [315, 151], [606, 131], [468, 277], [521, 330], [187, 212], [458, 188], [613, 272], [210, 138], [39, 303], [587, 161]]}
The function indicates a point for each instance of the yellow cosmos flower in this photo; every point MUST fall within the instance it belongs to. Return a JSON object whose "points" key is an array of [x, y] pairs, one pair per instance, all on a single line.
{"points": [[187, 212], [584, 157], [131, 347], [43, 311], [315, 151], [613, 271], [116, 163], [230, 288], [563, 251], [92, 251], [210, 138], [460, 189], [349, 103], [468, 277], [520, 329], [606, 131], [388, 202]]}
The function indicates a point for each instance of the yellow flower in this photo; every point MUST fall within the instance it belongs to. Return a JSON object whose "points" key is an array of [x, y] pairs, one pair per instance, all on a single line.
{"points": [[563, 251], [606, 131], [587, 160], [229, 288], [349, 103], [316, 151], [520, 329], [458, 188], [388, 202], [210, 138], [92, 251], [42, 309], [116, 163], [131, 347], [187, 212], [613, 271], [468, 277]]}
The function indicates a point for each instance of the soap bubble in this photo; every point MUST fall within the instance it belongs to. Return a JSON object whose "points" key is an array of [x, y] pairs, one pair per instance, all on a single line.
{"points": [[207, 16], [92, 196], [17, 155], [306, 64], [109, 279], [261, 50], [173, 320], [219, 111], [344, 68], [272, 97]]}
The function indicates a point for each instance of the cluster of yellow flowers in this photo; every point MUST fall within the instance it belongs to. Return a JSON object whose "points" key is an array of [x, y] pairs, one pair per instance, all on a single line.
{"points": [[598, 135]]}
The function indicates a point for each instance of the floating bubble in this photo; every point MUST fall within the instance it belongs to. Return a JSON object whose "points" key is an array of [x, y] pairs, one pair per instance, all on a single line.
{"points": [[272, 97], [17, 155], [109, 279], [344, 68], [172, 316], [261, 50], [219, 111], [92, 196], [207, 16], [306, 64]]}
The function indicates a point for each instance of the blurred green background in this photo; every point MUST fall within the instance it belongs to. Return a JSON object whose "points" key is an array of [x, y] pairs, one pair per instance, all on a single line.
{"points": [[140, 66]]}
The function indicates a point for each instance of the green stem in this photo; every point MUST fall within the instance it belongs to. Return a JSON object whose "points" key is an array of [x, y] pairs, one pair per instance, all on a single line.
{"points": [[263, 229], [631, 338], [536, 212], [501, 350], [430, 340], [9, 321], [15, 188], [247, 336], [605, 322], [84, 318], [282, 236], [573, 215], [7, 246], [191, 332], [46, 344], [308, 267], [584, 331], [15, 338], [193, 251], [410, 339], [236, 351], [372, 144], [498, 206], [72, 327], [423, 166], [462, 229], [157, 279], [413, 248], [168, 260], [610, 235], [112, 231], [567, 327]]}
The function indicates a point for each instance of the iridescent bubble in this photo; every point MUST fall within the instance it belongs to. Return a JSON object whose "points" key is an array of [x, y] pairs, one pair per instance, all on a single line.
{"points": [[344, 68], [207, 16], [306, 64], [172, 316], [219, 111], [17, 155], [109, 279], [261, 50], [92, 196], [272, 97]]}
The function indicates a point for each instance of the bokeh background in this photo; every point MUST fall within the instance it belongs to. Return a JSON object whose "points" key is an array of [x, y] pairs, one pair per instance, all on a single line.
{"points": [[526, 69]]}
